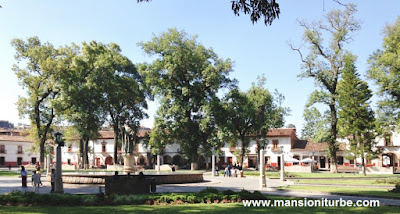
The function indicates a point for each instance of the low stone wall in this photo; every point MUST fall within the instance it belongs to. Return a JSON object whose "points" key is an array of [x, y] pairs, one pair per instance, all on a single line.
{"points": [[297, 168], [127, 185], [379, 170], [160, 179]]}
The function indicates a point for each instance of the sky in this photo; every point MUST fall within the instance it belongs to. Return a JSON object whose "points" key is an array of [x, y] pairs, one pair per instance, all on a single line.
{"points": [[255, 49]]}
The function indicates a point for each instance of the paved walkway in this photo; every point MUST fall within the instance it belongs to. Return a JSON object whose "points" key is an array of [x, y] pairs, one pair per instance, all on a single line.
{"points": [[8, 184]]}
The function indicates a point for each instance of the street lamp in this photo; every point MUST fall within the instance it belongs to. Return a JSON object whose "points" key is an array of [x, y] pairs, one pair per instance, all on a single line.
{"points": [[263, 182], [58, 188]]}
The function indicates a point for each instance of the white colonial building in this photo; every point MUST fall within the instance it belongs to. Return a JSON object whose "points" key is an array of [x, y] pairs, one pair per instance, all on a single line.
{"points": [[15, 150]]}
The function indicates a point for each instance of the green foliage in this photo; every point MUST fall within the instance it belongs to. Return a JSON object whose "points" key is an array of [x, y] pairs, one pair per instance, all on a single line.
{"points": [[267, 9], [186, 77], [385, 71], [209, 195], [324, 63], [356, 118], [250, 113], [38, 68], [396, 189]]}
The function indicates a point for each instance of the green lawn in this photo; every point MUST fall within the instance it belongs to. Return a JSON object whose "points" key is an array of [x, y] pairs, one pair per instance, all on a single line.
{"points": [[348, 190], [194, 208], [8, 173], [344, 181], [319, 175]]}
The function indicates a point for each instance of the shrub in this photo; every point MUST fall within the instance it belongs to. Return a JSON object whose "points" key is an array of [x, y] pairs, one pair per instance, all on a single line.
{"points": [[209, 190], [396, 189]]}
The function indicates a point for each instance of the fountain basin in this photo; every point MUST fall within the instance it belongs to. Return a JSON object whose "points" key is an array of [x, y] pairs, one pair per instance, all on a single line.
{"points": [[169, 178]]}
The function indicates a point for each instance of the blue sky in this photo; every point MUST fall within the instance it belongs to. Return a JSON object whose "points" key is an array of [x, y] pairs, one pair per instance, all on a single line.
{"points": [[255, 49]]}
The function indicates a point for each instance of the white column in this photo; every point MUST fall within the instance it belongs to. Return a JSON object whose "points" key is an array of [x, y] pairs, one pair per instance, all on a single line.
{"points": [[48, 165], [158, 164], [263, 183], [58, 188], [213, 165], [282, 168]]}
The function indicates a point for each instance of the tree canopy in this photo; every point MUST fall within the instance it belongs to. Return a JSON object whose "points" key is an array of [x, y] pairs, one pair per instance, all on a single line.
{"points": [[384, 69], [186, 77], [325, 61], [356, 119]]}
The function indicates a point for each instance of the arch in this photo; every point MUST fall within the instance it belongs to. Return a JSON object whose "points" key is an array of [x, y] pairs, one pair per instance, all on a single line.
{"points": [[167, 159], [141, 160], [108, 160], [177, 160]]}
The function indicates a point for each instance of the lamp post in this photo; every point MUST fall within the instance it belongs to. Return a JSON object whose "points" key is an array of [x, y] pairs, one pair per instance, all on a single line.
{"points": [[282, 165], [58, 185], [263, 182]]}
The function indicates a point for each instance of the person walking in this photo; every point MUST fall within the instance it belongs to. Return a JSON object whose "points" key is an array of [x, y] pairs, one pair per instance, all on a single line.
{"points": [[24, 175], [36, 182]]}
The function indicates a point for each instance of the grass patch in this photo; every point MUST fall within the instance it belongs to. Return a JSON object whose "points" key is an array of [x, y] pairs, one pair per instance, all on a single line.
{"points": [[320, 175], [347, 190], [195, 208], [8, 173], [371, 182]]}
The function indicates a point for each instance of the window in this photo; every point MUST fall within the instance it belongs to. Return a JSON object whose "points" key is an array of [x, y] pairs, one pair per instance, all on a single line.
{"points": [[33, 161], [70, 148], [2, 161], [2, 149], [19, 151], [275, 144], [103, 147]]}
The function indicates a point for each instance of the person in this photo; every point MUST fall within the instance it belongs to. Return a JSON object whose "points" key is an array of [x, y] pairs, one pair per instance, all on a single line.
{"points": [[53, 179], [141, 176], [217, 170], [24, 175], [38, 170], [9, 167], [116, 176], [226, 171], [36, 182], [173, 168], [229, 170]]}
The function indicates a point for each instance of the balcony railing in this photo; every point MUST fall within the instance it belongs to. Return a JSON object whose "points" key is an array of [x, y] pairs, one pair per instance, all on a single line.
{"points": [[20, 152], [3, 151]]}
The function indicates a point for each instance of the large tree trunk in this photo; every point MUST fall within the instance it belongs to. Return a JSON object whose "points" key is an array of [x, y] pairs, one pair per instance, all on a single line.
{"points": [[85, 154], [116, 138], [80, 159], [42, 141], [332, 142], [194, 165], [363, 159]]}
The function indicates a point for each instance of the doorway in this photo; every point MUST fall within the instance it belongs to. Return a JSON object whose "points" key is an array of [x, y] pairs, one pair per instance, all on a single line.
{"points": [[322, 162]]}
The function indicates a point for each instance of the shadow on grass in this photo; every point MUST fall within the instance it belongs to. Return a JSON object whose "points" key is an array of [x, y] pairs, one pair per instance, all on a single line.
{"points": [[195, 208]]}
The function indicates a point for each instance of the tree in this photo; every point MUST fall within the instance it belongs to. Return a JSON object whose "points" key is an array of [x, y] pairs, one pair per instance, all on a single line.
{"points": [[82, 95], [385, 71], [325, 62], [249, 115], [356, 118], [186, 76], [124, 97], [267, 9], [42, 63]]}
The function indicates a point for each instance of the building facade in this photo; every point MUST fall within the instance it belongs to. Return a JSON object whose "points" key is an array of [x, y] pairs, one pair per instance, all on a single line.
{"points": [[15, 150]]}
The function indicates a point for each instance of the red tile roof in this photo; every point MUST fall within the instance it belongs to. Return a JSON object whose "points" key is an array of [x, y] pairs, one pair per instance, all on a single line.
{"points": [[308, 145], [282, 132], [14, 138]]}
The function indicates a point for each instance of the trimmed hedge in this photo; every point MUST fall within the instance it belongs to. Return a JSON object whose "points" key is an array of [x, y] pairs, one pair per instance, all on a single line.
{"points": [[208, 195]]}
